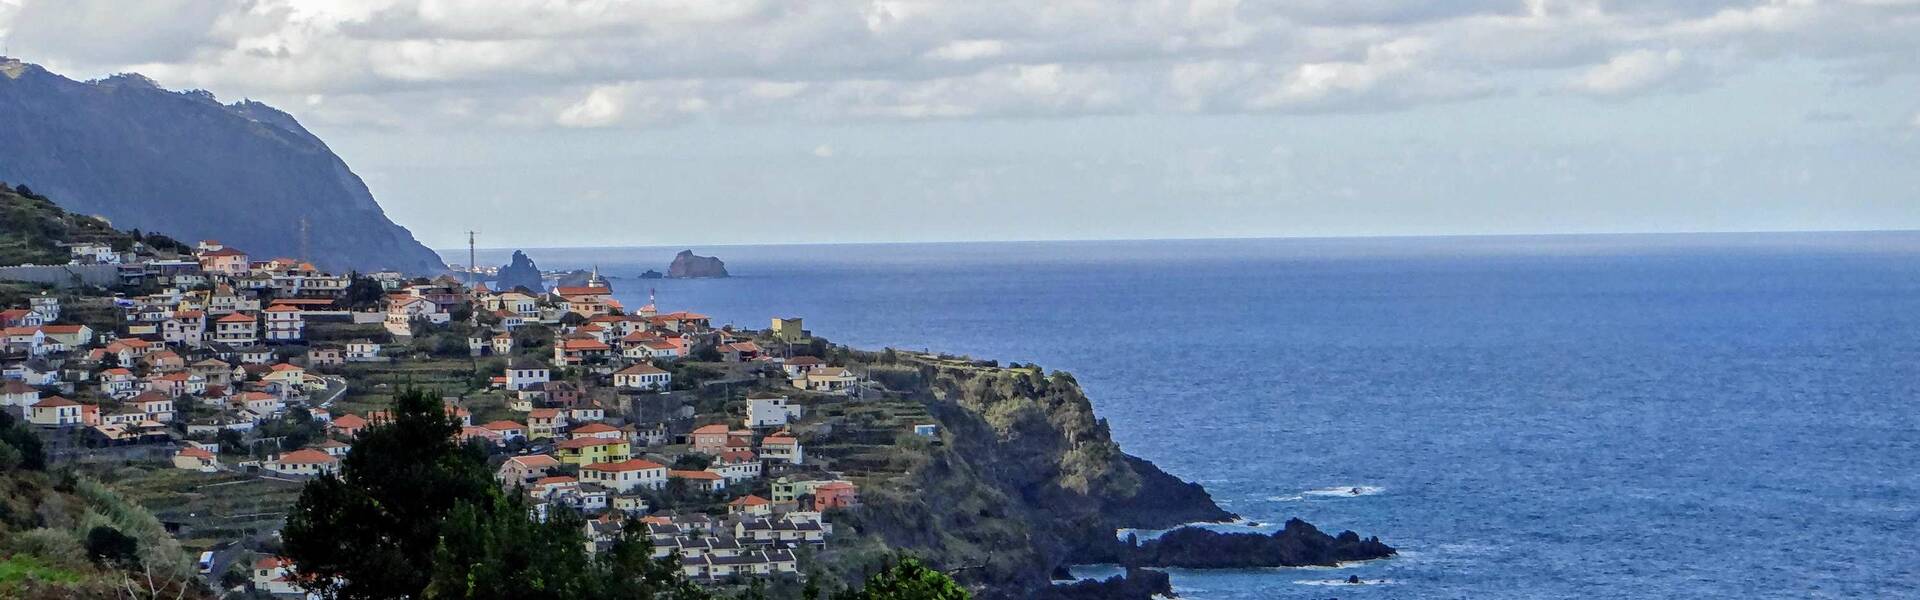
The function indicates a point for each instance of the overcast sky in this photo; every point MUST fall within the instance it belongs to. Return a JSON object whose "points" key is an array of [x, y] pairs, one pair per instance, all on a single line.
{"points": [[577, 123]]}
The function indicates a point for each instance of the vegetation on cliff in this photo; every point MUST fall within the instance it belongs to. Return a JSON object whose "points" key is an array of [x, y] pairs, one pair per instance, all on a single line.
{"points": [[67, 536], [1022, 478], [32, 229]]}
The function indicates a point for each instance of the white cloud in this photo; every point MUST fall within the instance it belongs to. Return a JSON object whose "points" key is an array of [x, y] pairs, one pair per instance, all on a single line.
{"points": [[603, 106], [1631, 73], [823, 151], [602, 63]]}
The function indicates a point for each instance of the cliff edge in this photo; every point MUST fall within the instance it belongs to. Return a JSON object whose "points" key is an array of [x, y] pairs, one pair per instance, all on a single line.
{"points": [[183, 164]]}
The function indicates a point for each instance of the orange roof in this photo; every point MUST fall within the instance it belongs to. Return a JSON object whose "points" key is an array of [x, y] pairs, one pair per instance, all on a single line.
{"points": [[634, 464], [553, 480], [716, 428], [779, 439], [222, 252], [535, 460], [641, 369], [703, 475], [54, 401], [349, 421], [286, 367], [503, 425], [237, 318], [150, 396], [193, 452], [282, 308], [805, 360], [583, 345], [117, 371], [272, 562], [594, 428], [834, 485], [61, 328], [749, 500], [307, 456], [543, 413]]}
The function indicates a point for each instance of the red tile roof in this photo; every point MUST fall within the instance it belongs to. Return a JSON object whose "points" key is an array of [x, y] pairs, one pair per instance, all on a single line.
{"points": [[634, 464]]}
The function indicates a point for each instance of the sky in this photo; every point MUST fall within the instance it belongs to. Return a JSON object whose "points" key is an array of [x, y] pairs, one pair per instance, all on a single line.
{"points": [[545, 123]]}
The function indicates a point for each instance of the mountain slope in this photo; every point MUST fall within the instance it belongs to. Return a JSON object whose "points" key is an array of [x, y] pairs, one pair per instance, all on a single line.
{"points": [[183, 164]]}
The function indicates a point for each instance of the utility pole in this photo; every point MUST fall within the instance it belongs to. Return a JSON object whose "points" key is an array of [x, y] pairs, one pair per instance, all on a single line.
{"points": [[471, 264]]}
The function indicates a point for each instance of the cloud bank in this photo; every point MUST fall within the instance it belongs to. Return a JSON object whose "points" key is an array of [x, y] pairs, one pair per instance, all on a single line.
{"points": [[611, 64]]}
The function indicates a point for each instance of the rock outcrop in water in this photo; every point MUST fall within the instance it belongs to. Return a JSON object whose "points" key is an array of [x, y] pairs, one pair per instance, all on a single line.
{"points": [[687, 265], [185, 165], [520, 272], [1298, 544]]}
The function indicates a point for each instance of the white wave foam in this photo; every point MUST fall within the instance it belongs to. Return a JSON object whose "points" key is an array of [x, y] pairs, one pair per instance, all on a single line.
{"points": [[1344, 491], [1344, 583]]}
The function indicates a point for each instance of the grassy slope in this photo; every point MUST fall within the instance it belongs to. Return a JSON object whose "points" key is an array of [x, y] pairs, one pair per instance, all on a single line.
{"points": [[32, 228]]}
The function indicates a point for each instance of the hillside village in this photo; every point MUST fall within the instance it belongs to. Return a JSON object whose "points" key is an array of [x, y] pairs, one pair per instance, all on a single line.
{"points": [[252, 369]]}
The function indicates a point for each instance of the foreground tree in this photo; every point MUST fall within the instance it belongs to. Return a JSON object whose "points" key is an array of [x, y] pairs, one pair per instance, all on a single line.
{"points": [[415, 514]]}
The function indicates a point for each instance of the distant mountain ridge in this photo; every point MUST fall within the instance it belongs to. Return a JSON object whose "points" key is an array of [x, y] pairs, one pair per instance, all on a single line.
{"points": [[183, 164]]}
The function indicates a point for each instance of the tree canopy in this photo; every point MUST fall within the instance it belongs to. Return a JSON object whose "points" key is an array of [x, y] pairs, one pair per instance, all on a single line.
{"points": [[415, 514]]}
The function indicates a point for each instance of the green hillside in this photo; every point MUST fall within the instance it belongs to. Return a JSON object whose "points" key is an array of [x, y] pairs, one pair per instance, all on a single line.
{"points": [[32, 228]]}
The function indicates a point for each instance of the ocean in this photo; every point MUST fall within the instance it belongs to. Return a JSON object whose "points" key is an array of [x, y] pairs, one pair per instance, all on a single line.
{"points": [[1672, 416]]}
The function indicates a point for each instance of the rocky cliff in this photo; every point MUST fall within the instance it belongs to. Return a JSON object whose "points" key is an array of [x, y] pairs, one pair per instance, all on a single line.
{"points": [[183, 164], [520, 272], [1024, 478], [687, 265]]}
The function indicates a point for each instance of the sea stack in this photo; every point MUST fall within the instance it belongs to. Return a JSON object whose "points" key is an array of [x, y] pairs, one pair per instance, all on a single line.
{"points": [[521, 272], [687, 265]]}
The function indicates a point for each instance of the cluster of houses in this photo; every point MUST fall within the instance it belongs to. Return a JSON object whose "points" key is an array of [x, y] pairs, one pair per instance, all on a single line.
{"points": [[218, 337], [228, 335]]}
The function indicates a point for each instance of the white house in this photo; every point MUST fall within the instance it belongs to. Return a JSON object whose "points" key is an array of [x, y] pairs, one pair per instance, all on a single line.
{"points": [[236, 329], [781, 446], [362, 351], [523, 373], [305, 461], [770, 410], [285, 323], [642, 376], [626, 475]]}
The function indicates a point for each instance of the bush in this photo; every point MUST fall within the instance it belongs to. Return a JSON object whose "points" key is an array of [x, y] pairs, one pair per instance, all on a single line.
{"points": [[107, 545]]}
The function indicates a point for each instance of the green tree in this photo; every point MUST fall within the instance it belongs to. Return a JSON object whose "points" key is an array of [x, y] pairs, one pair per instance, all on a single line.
{"points": [[362, 293], [367, 532], [413, 514], [907, 579], [20, 445]]}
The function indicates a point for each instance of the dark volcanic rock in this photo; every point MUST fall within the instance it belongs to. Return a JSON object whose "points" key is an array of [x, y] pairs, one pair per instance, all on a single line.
{"points": [[520, 273], [687, 265], [1164, 501], [185, 165], [1136, 584], [652, 274], [1298, 544]]}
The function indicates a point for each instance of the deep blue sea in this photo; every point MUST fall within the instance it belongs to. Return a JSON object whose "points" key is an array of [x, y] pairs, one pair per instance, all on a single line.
{"points": [[1731, 416]]}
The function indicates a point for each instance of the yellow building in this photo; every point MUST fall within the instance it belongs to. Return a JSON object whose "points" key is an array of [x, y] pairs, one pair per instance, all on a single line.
{"points": [[788, 329], [588, 451]]}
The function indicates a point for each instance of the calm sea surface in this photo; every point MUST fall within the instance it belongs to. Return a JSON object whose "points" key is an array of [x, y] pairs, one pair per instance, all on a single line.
{"points": [[1594, 416]]}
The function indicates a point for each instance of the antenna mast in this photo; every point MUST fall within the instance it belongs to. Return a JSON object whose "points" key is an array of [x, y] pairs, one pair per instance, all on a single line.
{"points": [[472, 264]]}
